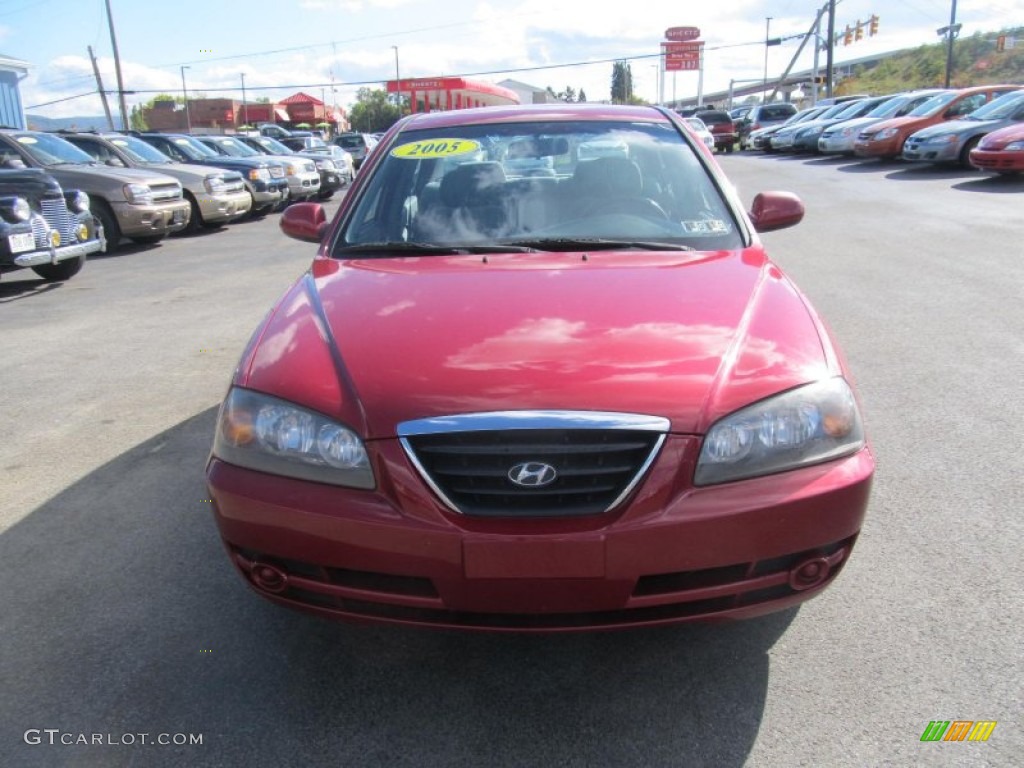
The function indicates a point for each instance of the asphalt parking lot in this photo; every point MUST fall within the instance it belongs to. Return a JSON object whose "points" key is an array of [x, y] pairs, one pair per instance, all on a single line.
{"points": [[122, 616]]}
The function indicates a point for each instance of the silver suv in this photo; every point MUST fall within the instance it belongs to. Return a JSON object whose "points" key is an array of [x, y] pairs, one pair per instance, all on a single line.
{"points": [[356, 144], [216, 196], [141, 205], [301, 173]]}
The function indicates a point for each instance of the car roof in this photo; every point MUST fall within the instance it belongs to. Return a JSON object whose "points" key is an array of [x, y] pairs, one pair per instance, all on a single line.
{"points": [[532, 112]]}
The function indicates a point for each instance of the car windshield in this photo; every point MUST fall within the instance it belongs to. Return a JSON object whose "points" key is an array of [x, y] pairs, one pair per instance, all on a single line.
{"points": [[231, 146], [47, 149], [193, 148], [933, 105], [889, 108], [351, 142], [558, 185], [139, 151], [834, 110], [696, 123], [273, 146], [1000, 108]]}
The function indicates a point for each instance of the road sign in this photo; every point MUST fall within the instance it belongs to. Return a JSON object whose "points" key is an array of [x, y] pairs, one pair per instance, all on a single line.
{"points": [[680, 62], [682, 33]]}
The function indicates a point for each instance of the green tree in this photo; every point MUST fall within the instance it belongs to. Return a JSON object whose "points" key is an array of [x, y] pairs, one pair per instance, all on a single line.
{"points": [[373, 111], [622, 83], [582, 97], [137, 120]]}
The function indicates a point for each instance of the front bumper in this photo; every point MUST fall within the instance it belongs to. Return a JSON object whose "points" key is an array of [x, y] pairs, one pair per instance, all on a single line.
{"points": [[834, 145], [921, 152], [672, 553], [226, 207], [884, 148], [56, 255], [303, 186], [157, 219], [266, 194], [997, 160]]}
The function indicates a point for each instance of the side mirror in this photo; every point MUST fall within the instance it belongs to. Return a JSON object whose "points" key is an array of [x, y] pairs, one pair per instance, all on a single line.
{"points": [[776, 210], [304, 221]]}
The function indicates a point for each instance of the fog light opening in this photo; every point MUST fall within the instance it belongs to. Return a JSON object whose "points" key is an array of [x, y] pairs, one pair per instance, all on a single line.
{"points": [[809, 573], [269, 578]]}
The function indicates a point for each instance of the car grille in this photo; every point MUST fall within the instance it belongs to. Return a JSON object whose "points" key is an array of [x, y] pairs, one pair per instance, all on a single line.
{"points": [[58, 217], [276, 172], [162, 192], [233, 184], [588, 471]]}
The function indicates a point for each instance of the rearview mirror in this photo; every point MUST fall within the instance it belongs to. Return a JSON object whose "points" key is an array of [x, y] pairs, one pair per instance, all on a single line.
{"points": [[304, 221], [776, 210]]}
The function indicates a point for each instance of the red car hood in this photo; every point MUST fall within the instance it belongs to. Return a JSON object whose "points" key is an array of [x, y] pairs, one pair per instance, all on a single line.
{"points": [[687, 336]]}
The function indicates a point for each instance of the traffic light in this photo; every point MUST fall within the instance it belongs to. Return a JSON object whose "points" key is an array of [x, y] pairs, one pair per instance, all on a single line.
{"points": [[848, 35], [859, 32], [873, 25], [1000, 43]]}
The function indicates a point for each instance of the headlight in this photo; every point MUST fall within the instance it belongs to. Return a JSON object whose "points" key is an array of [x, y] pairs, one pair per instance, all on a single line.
{"points": [[886, 133], [259, 174], [1015, 146], [291, 170], [16, 209], [138, 194], [214, 185], [808, 425], [949, 138], [274, 436], [77, 200]]}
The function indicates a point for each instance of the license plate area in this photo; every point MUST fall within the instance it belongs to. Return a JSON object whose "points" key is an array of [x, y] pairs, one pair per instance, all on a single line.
{"points": [[526, 557], [21, 243]]}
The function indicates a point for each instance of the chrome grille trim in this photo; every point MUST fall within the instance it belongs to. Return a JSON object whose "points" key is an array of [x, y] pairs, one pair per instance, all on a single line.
{"points": [[596, 473], [163, 192], [58, 217]]}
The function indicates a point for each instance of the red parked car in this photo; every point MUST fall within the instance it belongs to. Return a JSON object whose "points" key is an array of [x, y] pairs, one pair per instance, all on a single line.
{"points": [[1001, 151], [562, 395], [722, 127]]}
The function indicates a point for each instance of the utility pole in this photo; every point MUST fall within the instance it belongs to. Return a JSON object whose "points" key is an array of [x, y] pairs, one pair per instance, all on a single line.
{"points": [[99, 87], [829, 61], [245, 104], [117, 69], [951, 33], [184, 95], [811, 33], [767, 36], [398, 82]]}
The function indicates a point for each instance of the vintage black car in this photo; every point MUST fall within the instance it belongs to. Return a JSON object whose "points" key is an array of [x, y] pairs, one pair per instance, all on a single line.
{"points": [[43, 227]]}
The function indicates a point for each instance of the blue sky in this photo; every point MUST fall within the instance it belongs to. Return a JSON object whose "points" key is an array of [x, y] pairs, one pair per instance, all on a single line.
{"points": [[282, 45]]}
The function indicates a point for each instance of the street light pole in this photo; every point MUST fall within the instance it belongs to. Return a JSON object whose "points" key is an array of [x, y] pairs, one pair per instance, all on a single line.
{"points": [[398, 81], [767, 36], [184, 95], [951, 32], [245, 104]]}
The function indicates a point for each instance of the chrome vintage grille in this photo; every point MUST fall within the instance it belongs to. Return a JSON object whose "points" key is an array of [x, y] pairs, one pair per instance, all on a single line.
{"points": [[567, 463], [58, 216]]}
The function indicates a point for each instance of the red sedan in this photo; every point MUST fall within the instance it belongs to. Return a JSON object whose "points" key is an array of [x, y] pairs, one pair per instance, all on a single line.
{"points": [[560, 395], [1001, 151]]}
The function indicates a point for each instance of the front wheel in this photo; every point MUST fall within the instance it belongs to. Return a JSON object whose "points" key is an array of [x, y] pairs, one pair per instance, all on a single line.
{"points": [[62, 270], [111, 230], [965, 153]]}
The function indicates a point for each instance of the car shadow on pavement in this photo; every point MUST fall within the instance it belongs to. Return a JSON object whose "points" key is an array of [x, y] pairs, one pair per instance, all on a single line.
{"points": [[13, 290], [993, 183], [123, 616], [918, 171]]}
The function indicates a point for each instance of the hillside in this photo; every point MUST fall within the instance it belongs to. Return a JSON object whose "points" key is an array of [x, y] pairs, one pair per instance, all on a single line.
{"points": [[975, 62]]}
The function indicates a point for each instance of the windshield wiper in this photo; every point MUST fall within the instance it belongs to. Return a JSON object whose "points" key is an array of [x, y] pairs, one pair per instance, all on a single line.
{"points": [[597, 243], [429, 249]]}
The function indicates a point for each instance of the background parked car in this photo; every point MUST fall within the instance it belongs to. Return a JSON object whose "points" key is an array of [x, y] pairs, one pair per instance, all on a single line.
{"points": [[1001, 151], [356, 144], [761, 139], [722, 128], [698, 127], [43, 227], [332, 178], [884, 140], [215, 195], [839, 138], [762, 116], [783, 138], [806, 138], [141, 205], [952, 142], [300, 173], [264, 178]]}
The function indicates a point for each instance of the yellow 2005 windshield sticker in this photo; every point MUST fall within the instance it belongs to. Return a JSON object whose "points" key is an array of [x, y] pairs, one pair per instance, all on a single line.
{"points": [[427, 148]]}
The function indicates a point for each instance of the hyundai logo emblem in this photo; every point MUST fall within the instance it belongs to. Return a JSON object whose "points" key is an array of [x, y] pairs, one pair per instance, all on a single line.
{"points": [[532, 474]]}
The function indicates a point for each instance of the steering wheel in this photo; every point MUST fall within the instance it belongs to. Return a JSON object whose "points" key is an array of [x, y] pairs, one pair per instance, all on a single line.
{"points": [[640, 206]]}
